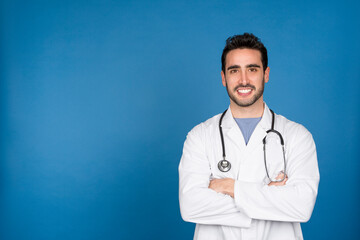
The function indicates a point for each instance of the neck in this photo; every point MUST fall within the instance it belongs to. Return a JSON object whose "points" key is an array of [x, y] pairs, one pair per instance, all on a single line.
{"points": [[254, 111]]}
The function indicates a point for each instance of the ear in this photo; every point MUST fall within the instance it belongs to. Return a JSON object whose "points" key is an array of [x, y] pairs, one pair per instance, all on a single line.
{"points": [[223, 79], [266, 75]]}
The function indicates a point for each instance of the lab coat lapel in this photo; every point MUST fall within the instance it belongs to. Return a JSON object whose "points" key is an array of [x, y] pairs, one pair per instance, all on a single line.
{"points": [[260, 130], [232, 131]]}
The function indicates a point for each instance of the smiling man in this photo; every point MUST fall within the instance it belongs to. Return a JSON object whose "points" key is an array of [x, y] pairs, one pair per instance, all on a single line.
{"points": [[247, 173]]}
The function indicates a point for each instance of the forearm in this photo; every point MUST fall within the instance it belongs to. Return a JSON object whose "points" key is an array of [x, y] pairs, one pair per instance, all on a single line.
{"points": [[291, 203], [199, 204], [226, 185]]}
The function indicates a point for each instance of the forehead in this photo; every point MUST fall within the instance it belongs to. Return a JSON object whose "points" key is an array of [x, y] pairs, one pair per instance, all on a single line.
{"points": [[243, 57]]}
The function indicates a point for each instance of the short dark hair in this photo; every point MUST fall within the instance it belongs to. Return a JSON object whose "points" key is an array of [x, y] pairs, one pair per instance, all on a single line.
{"points": [[247, 40]]}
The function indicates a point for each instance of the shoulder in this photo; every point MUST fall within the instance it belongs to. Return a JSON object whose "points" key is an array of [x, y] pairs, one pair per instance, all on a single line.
{"points": [[292, 129], [206, 126]]}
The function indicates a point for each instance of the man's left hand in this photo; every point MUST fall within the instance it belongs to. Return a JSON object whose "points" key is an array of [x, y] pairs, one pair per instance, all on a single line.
{"points": [[224, 185]]}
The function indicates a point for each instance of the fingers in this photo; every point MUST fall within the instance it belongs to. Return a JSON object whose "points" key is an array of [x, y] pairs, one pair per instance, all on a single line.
{"points": [[279, 177], [277, 183], [214, 184], [224, 185]]}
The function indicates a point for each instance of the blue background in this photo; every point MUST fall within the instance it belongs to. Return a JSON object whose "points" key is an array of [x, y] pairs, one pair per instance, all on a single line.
{"points": [[97, 98]]}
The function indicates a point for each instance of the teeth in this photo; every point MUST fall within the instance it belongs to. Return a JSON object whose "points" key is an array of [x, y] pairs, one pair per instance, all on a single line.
{"points": [[244, 90]]}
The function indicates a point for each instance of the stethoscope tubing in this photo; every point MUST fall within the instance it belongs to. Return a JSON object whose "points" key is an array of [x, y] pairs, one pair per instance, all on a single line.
{"points": [[222, 135], [226, 163]]}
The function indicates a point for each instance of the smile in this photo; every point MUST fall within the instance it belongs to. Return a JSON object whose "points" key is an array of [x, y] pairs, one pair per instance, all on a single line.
{"points": [[244, 90]]}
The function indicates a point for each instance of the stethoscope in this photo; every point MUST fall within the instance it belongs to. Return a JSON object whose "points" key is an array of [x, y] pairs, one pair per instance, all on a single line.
{"points": [[225, 166]]}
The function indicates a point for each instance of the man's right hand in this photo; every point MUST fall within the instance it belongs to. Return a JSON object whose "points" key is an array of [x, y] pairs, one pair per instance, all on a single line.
{"points": [[279, 177]]}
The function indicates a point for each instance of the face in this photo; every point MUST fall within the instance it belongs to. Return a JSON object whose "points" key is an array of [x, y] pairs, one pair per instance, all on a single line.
{"points": [[244, 77]]}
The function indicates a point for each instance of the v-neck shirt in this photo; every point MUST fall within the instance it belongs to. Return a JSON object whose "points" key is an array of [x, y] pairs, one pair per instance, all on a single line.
{"points": [[247, 126]]}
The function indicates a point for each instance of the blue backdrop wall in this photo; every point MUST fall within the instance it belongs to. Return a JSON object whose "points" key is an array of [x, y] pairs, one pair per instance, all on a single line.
{"points": [[97, 98]]}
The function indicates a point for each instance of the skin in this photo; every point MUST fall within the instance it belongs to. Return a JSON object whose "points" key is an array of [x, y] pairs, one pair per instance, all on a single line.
{"points": [[244, 71]]}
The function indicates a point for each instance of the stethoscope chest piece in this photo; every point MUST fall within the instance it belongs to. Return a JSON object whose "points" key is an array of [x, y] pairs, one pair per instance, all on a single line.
{"points": [[224, 165]]}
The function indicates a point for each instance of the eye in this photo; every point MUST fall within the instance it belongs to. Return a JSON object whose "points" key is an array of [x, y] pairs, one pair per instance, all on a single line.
{"points": [[252, 69], [234, 70]]}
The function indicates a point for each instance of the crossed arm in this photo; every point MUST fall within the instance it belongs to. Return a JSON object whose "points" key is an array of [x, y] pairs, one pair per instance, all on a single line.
{"points": [[232, 202], [226, 185]]}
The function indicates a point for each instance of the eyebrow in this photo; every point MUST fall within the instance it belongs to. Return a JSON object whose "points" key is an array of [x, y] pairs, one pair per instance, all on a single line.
{"points": [[233, 66], [253, 65], [248, 66]]}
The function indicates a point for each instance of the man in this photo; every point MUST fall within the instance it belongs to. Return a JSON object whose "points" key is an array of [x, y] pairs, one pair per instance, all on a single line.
{"points": [[234, 184]]}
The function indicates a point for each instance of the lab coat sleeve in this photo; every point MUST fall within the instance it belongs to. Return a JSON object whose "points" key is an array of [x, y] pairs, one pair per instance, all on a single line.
{"points": [[198, 203], [293, 202]]}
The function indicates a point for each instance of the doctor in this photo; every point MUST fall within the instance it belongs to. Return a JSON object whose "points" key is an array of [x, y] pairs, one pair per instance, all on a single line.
{"points": [[241, 198]]}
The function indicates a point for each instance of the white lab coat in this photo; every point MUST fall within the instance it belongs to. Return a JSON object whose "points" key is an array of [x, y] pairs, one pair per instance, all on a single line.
{"points": [[257, 210]]}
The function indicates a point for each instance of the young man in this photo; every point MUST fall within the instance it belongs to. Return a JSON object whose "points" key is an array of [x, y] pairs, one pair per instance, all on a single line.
{"points": [[238, 180]]}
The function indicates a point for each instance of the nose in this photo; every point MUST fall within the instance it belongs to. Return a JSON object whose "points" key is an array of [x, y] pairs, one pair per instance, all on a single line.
{"points": [[243, 80]]}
